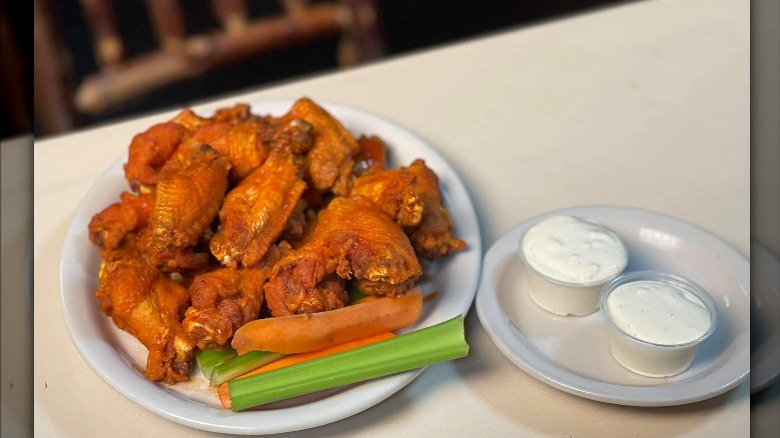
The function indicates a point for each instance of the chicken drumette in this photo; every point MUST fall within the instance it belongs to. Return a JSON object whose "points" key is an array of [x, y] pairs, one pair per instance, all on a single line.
{"points": [[225, 299], [411, 197], [331, 158], [353, 239]]}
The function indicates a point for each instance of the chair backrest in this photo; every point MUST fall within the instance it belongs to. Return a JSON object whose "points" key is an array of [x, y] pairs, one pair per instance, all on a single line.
{"points": [[180, 56]]}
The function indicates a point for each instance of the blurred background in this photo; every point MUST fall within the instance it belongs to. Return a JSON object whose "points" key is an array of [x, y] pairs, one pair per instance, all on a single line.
{"points": [[100, 60]]}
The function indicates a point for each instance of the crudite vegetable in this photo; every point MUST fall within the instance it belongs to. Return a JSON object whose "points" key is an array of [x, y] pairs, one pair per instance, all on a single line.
{"points": [[209, 359], [420, 348], [242, 364], [292, 359], [309, 332]]}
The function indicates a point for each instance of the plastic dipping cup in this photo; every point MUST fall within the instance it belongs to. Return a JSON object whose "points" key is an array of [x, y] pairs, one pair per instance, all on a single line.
{"points": [[656, 358], [563, 295]]}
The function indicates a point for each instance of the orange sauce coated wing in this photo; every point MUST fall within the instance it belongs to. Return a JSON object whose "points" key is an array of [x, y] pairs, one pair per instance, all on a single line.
{"points": [[255, 212], [353, 239], [331, 157], [187, 201]]}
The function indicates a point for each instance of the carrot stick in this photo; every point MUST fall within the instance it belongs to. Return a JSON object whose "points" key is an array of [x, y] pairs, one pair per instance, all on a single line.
{"points": [[310, 332], [224, 394]]}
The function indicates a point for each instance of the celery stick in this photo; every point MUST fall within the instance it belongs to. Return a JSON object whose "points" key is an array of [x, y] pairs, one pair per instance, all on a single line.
{"points": [[208, 359], [438, 343], [242, 364]]}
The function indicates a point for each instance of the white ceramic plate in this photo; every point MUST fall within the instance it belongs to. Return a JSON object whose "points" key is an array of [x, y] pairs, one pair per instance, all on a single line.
{"points": [[114, 354], [572, 353], [764, 318]]}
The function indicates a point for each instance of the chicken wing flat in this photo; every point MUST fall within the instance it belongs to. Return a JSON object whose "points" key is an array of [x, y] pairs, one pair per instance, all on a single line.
{"points": [[411, 197], [255, 212], [187, 201], [331, 156], [108, 228], [149, 305], [224, 300], [353, 239]]}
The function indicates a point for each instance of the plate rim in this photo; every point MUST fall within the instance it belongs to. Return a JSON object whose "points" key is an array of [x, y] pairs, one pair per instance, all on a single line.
{"points": [[379, 389], [486, 301]]}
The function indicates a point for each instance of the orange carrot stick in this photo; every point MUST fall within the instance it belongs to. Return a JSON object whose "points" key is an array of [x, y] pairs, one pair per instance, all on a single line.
{"points": [[224, 393], [310, 332]]}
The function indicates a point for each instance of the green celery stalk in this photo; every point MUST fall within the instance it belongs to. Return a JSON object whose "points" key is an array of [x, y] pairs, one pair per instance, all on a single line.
{"points": [[437, 343], [242, 364], [208, 359]]}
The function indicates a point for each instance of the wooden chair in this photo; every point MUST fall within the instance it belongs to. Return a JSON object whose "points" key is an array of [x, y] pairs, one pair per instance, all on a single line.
{"points": [[180, 56]]}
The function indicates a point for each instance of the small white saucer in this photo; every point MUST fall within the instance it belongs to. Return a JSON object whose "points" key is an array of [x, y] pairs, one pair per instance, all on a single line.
{"points": [[572, 353]]}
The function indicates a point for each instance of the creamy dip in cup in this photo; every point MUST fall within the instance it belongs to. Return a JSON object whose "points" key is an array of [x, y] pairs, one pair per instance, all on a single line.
{"points": [[657, 321], [569, 260]]}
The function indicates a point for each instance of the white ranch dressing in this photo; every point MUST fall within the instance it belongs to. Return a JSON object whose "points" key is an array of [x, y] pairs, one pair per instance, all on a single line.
{"points": [[658, 312], [572, 250]]}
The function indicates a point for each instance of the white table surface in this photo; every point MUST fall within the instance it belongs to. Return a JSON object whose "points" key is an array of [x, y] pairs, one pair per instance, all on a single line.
{"points": [[642, 105]]}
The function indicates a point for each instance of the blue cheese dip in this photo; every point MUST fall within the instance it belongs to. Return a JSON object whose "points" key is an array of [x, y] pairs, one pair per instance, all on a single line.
{"points": [[569, 260], [657, 321], [571, 250], [659, 313]]}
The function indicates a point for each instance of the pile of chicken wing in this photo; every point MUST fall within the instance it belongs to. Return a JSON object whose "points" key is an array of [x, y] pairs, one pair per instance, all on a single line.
{"points": [[240, 216]]}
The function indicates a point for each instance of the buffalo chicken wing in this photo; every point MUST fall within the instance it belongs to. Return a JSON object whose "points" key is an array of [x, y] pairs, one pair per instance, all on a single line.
{"points": [[144, 302], [149, 151], [187, 201], [225, 299], [434, 237], [412, 198], [108, 228], [353, 239], [255, 212], [331, 156]]}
